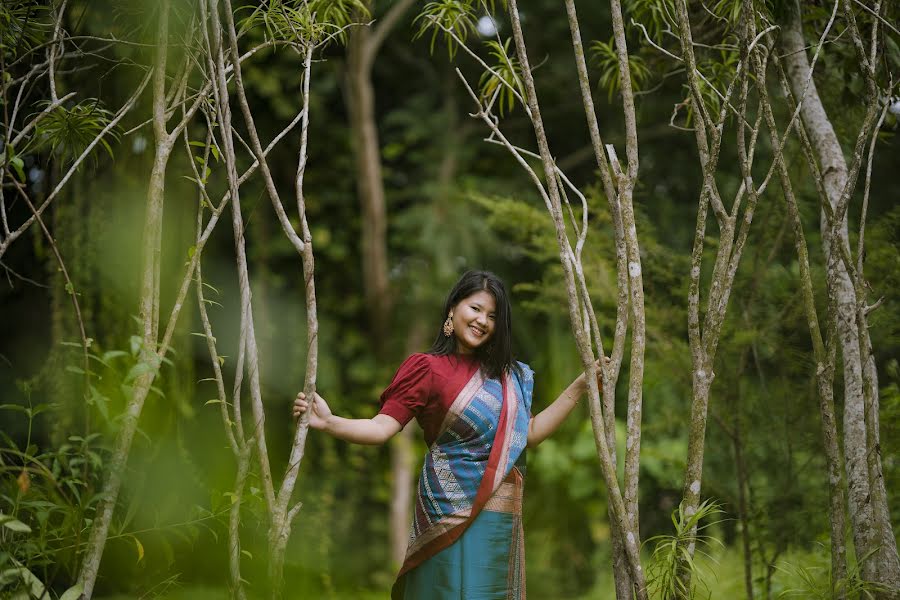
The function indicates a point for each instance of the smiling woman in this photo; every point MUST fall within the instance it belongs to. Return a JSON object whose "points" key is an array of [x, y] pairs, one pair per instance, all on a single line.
{"points": [[473, 401]]}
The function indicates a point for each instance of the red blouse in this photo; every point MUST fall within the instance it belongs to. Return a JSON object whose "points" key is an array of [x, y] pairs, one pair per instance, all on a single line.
{"points": [[424, 387]]}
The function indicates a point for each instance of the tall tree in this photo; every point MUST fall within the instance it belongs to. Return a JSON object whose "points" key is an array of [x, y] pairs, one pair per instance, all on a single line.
{"points": [[872, 531], [363, 46], [153, 348]]}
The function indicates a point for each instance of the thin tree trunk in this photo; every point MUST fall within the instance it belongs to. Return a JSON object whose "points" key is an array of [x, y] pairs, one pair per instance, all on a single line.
{"points": [[623, 583], [362, 48], [620, 511], [153, 348], [370, 188], [148, 314], [824, 366], [704, 338], [872, 532]]}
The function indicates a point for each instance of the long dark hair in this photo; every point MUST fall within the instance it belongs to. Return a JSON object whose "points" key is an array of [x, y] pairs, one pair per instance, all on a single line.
{"points": [[495, 357]]}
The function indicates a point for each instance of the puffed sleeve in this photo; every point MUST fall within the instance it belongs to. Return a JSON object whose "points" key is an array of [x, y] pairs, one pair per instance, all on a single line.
{"points": [[409, 391]]}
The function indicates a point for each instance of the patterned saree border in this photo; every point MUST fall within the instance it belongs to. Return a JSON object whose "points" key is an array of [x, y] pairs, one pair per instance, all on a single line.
{"points": [[462, 400]]}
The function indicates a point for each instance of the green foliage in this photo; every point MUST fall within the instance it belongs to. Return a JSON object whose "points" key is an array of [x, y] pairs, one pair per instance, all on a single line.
{"points": [[718, 73], [657, 16], [671, 553], [453, 203], [505, 78], [68, 131], [23, 26], [605, 58], [729, 11], [306, 23], [456, 17], [816, 582], [46, 499]]}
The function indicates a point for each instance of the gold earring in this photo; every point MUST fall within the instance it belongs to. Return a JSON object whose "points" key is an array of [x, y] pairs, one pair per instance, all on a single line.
{"points": [[448, 325]]}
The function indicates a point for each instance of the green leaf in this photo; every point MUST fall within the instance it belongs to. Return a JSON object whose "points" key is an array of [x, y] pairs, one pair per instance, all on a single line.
{"points": [[139, 547], [137, 370], [99, 400], [14, 524], [73, 593], [113, 354], [68, 130], [18, 165]]}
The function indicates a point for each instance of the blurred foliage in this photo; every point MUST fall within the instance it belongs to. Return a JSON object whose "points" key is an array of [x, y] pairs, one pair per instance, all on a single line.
{"points": [[607, 61], [303, 23], [453, 19], [68, 131], [453, 202]]}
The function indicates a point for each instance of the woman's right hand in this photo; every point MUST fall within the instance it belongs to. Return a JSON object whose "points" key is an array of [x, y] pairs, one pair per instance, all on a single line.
{"points": [[320, 413]]}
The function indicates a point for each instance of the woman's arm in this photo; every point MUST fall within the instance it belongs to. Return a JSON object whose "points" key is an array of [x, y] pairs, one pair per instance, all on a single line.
{"points": [[548, 420], [377, 430]]}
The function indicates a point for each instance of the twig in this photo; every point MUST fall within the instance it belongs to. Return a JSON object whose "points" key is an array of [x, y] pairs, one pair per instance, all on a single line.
{"points": [[878, 17], [860, 248], [70, 286], [51, 51], [484, 65], [247, 332], [4, 245]]}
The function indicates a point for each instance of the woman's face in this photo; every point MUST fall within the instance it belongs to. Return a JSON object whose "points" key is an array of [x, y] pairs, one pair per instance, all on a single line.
{"points": [[474, 319]]}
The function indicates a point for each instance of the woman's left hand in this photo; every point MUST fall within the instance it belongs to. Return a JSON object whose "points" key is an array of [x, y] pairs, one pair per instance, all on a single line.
{"points": [[599, 364]]}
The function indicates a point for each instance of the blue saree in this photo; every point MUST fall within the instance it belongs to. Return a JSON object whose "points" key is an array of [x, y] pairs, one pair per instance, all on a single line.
{"points": [[467, 539]]}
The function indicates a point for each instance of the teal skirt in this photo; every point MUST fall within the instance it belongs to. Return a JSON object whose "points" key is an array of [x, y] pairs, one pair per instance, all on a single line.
{"points": [[485, 563]]}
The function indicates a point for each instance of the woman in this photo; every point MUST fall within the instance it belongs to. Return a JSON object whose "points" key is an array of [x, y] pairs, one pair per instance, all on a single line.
{"points": [[473, 401]]}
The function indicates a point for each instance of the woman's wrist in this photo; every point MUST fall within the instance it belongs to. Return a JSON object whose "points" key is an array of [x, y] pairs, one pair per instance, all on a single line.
{"points": [[332, 423], [576, 390]]}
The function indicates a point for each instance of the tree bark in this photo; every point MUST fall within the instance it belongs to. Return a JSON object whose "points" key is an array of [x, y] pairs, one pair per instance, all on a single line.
{"points": [[362, 49], [619, 509], [623, 583], [370, 187], [824, 357], [149, 315], [872, 532]]}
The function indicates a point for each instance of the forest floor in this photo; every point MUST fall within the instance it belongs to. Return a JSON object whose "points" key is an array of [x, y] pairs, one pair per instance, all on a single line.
{"points": [[722, 576]]}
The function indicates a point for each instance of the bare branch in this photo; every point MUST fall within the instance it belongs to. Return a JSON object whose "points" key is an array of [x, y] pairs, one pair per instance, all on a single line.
{"points": [[70, 286], [271, 189], [860, 248], [248, 335], [51, 51], [4, 245], [878, 17]]}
